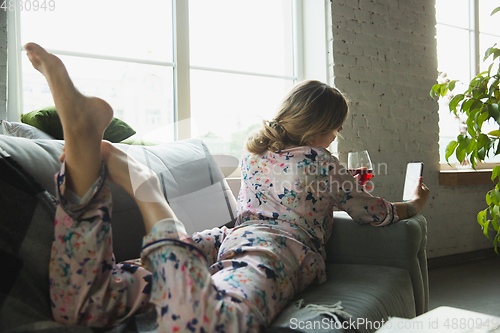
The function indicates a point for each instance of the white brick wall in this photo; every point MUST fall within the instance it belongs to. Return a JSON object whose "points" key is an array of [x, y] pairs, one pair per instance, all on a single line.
{"points": [[384, 55], [3, 64]]}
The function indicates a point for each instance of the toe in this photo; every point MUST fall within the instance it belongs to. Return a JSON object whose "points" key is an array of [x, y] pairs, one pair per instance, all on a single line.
{"points": [[34, 52], [38, 54], [33, 48]]}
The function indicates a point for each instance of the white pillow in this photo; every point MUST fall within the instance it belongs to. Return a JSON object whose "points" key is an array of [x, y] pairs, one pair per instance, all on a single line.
{"points": [[23, 130]]}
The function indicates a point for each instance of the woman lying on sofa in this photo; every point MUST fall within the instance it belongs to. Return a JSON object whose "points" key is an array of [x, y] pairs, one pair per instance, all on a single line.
{"points": [[231, 280]]}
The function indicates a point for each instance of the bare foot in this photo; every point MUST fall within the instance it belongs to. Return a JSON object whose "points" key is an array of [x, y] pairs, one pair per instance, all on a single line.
{"points": [[79, 114], [83, 120]]}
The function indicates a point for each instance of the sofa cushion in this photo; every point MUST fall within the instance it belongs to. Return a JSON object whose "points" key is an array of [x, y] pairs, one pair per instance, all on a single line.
{"points": [[47, 120], [367, 292], [23, 130], [26, 234], [192, 183]]}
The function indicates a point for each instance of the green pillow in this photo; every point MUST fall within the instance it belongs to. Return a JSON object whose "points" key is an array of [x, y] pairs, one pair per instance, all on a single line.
{"points": [[47, 120]]}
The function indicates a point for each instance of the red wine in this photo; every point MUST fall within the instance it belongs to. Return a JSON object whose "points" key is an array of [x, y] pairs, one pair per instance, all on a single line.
{"points": [[364, 175]]}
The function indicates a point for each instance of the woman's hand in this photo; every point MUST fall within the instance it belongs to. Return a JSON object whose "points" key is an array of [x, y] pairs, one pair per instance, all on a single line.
{"points": [[421, 194], [413, 207], [365, 185]]}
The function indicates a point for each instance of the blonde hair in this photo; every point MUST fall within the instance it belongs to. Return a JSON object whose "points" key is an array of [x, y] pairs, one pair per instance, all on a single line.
{"points": [[310, 109]]}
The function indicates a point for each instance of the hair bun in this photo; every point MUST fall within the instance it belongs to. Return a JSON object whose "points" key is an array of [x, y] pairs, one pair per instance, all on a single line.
{"points": [[275, 124]]}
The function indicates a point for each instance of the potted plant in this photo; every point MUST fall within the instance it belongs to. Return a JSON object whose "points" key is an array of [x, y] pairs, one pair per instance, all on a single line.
{"points": [[479, 103]]}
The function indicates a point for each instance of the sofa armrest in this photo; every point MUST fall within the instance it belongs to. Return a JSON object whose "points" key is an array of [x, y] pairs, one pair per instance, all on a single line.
{"points": [[402, 245]]}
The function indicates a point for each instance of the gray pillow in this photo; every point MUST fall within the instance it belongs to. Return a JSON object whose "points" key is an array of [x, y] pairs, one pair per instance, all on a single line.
{"points": [[23, 130]]}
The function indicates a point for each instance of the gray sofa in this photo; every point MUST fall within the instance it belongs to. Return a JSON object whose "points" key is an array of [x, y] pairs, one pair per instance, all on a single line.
{"points": [[374, 272]]}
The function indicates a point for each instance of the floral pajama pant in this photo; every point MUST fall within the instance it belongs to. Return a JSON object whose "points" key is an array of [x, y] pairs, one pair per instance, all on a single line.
{"points": [[219, 280]]}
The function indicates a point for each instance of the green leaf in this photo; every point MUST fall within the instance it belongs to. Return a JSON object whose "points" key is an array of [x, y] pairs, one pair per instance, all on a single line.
{"points": [[481, 217], [443, 89], [434, 90], [471, 129], [496, 10], [488, 202], [485, 228], [477, 105], [478, 93], [494, 222], [488, 52], [493, 87], [450, 149], [466, 106], [495, 133], [463, 144], [491, 145], [495, 172], [494, 111], [495, 242], [452, 84], [460, 153], [472, 146], [454, 102], [496, 210], [498, 149], [482, 140], [473, 157], [480, 118], [496, 54], [481, 153], [494, 200]]}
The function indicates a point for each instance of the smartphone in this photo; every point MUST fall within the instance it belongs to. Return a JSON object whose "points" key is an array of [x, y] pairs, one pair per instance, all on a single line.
{"points": [[413, 173]]}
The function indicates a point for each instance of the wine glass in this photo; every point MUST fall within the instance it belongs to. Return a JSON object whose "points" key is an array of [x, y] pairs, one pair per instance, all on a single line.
{"points": [[359, 163]]}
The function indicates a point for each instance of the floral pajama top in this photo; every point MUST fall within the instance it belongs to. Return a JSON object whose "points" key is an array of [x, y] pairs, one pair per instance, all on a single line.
{"points": [[297, 188]]}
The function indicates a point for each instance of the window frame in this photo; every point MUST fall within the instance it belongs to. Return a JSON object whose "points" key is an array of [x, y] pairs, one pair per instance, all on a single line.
{"points": [[474, 69], [312, 60]]}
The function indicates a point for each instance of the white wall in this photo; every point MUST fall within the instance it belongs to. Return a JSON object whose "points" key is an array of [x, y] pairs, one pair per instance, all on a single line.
{"points": [[385, 62]]}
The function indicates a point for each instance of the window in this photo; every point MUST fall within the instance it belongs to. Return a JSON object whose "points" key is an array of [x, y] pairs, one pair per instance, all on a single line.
{"points": [[177, 69], [462, 23]]}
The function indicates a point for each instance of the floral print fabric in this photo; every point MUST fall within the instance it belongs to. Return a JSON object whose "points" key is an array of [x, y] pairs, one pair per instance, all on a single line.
{"points": [[87, 287], [219, 280], [297, 189]]}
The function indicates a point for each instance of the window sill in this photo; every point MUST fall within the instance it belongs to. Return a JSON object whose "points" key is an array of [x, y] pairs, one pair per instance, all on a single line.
{"points": [[465, 177]]}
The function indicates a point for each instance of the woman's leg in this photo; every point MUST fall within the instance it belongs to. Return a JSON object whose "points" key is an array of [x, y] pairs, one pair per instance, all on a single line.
{"points": [[87, 287], [257, 274], [83, 120], [185, 297], [183, 291], [126, 172], [209, 242]]}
